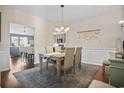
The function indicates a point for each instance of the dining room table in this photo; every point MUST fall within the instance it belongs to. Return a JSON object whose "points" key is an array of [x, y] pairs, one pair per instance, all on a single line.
{"points": [[58, 57]]}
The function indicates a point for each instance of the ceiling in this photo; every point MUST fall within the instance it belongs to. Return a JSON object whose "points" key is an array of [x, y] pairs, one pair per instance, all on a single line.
{"points": [[71, 12]]}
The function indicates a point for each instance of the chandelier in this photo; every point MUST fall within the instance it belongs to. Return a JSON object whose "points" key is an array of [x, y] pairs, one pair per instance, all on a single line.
{"points": [[62, 27]]}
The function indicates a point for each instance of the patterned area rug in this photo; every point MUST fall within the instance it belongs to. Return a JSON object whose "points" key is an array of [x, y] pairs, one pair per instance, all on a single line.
{"points": [[43, 78]]}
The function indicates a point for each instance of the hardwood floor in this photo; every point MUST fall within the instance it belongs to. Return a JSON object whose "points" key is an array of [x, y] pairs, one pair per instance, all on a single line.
{"points": [[17, 64], [7, 78], [99, 76], [9, 81]]}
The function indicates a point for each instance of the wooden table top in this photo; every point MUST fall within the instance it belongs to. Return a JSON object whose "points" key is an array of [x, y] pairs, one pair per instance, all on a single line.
{"points": [[55, 54]]}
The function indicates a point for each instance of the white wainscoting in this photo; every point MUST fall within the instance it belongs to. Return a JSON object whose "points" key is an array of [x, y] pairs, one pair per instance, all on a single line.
{"points": [[4, 60], [96, 56]]}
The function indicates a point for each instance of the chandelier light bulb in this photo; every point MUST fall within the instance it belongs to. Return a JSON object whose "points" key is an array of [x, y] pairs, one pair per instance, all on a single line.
{"points": [[121, 22], [67, 29], [59, 30], [62, 28], [56, 29]]}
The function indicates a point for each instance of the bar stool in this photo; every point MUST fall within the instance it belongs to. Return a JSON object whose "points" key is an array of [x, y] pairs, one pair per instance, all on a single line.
{"points": [[31, 58]]}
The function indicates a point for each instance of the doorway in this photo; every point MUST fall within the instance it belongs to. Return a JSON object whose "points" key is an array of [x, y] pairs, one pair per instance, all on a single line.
{"points": [[21, 47]]}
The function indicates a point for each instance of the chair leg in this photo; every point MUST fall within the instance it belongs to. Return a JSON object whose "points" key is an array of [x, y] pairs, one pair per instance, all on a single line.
{"points": [[47, 64], [41, 61], [103, 69], [64, 74], [55, 70], [79, 65], [73, 69]]}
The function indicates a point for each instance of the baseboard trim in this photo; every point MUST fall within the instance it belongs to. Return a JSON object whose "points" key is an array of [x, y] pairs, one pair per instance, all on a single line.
{"points": [[6, 69], [91, 63]]}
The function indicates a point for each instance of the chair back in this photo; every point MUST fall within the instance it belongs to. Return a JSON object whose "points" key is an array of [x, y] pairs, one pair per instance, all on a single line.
{"points": [[69, 58], [49, 49], [57, 49], [78, 52], [30, 50]]}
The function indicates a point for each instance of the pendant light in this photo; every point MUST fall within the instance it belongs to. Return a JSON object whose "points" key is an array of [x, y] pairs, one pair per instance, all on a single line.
{"points": [[62, 27]]}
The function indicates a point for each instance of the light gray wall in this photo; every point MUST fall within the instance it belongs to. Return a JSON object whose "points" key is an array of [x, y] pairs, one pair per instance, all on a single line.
{"points": [[10, 15]]}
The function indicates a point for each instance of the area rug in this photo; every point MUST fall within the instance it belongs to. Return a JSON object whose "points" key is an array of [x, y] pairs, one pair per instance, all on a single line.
{"points": [[46, 78]]}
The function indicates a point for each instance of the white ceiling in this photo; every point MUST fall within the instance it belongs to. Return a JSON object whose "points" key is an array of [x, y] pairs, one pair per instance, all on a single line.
{"points": [[71, 12]]}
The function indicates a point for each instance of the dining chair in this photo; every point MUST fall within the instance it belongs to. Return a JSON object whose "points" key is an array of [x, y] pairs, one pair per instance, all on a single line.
{"points": [[49, 49], [77, 58], [68, 60], [57, 49]]}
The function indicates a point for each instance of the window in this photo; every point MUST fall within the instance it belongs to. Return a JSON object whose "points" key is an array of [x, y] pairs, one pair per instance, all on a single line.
{"points": [[14, 41], [24, 41], [21, 41]]}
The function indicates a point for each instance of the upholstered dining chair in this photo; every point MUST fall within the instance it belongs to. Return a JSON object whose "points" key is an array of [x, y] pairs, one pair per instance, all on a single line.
{"points": [[49, 49], [68, 60], [77, 58], [57, 49]]}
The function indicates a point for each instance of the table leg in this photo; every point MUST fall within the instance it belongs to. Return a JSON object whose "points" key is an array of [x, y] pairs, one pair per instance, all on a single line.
{"points": [[41, 62], [41, 57], [58, 69], [103, 69], [79, 65]]}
